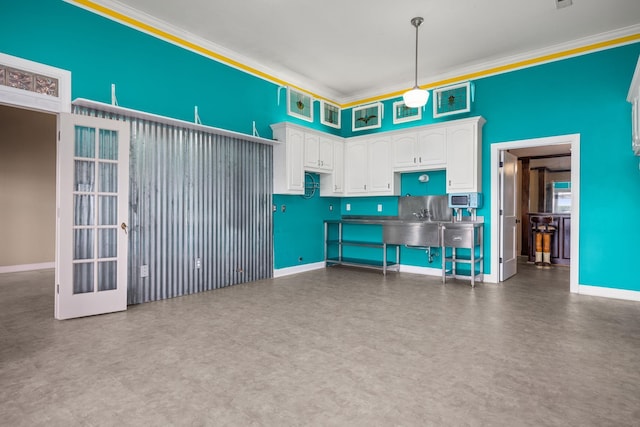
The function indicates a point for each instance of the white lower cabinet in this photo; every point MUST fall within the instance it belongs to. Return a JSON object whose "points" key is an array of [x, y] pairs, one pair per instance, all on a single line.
{"points": [[464, 156]]}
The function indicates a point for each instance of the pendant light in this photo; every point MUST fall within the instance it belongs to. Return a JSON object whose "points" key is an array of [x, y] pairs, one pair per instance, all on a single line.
{"points": [[416, 97]]}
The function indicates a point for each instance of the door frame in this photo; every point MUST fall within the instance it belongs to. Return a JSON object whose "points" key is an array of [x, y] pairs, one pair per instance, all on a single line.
{"points": [[574, 140]]}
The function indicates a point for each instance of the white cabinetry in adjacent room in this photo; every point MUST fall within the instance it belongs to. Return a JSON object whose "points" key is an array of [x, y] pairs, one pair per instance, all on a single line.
{"points": [[288, 154], [418, 150], [464, 156]]}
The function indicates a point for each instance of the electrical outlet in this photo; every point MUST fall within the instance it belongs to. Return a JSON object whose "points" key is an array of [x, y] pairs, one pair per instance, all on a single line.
{"points": [[275, 208], [198, 263], [283, 208], [348, 207], [144, 271], [379, 207], [330, 208]]}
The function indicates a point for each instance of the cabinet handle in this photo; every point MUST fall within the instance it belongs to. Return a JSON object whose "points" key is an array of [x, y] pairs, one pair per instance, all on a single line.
{"points": [[335, 187], [388, 185], [420, 161], [414, 160], [365, 186]]}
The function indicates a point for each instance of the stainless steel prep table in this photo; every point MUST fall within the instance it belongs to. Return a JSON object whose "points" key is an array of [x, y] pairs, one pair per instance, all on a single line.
{"points": [[463, 235], [334, 238]]}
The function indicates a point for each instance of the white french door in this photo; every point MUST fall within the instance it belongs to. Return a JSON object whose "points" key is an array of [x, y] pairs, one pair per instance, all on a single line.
{"points": [[93, 201], [508, 217]]}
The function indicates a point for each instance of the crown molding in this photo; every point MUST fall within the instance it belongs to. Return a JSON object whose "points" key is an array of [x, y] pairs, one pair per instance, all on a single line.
{"points": [[155, 27], [163, 30], [578, 47]]}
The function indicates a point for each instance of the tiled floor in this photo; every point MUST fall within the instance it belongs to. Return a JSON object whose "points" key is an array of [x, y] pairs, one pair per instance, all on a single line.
{"points": [[330, 347]]}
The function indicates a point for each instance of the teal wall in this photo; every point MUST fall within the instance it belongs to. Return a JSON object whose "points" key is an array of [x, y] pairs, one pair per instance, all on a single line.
{"points": [[585, 95]]}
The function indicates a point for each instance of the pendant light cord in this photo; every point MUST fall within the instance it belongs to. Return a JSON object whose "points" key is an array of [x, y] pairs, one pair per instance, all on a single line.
{"points": [[416, 23]]}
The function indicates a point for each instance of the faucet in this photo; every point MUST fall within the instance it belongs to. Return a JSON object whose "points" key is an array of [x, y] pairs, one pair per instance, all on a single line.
{"points": [[423, 214]]}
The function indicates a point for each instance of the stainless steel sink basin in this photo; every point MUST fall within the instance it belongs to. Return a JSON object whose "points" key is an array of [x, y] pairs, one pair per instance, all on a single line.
{"points": [[412, 233]]}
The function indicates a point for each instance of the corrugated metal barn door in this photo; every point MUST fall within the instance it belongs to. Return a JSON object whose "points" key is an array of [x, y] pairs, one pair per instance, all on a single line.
{"points": [[200, 210]]}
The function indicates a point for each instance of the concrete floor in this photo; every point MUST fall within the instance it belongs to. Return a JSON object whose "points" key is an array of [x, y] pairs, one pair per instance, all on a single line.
{"points": [[329, 347]]}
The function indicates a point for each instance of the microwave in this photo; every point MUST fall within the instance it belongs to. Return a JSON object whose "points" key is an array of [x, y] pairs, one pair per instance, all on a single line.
{"points": [[465, 200]]}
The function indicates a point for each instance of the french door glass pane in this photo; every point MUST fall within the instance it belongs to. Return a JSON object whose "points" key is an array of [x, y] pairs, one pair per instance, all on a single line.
{"points": [[107, 243], [83, 244], [108, 144], [108, 210], [107, 277], [82, 278], [108, 182], [84, 176], [85, 142], [84, 208]]}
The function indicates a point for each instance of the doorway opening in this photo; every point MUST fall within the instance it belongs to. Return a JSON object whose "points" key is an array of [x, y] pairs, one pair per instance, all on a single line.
{"points": [[501, 232], [28, 190]]}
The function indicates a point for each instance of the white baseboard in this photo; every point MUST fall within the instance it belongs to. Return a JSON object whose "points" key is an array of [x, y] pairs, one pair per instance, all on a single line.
{"points": [[280, 272], [425, 271], [598, 291], [27, 267]]}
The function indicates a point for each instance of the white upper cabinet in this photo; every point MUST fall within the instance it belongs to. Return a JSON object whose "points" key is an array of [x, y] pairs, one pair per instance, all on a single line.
{"points": [[370, 165], [380, 173], [288, 154], [325, 153], [464, 156], [419, 149], [368, 169], [318, 152], [333, 184], [432, 148], [356, 166], [405, 155]]}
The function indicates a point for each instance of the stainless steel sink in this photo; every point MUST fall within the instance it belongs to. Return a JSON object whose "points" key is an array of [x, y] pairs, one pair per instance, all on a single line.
{"points": [[412, 233]]}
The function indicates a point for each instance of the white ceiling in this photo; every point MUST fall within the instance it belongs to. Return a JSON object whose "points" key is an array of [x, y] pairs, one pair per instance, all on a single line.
{"points": [[347, 50]]}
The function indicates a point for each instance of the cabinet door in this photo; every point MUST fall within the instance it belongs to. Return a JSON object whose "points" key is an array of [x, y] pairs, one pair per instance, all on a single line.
{"points": [[380, 171], [332, 183], [311, 150], [338, 167], [325, 153], [356, 167], [432, 148], [461, 159], [295, 170], [404, 151]]}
